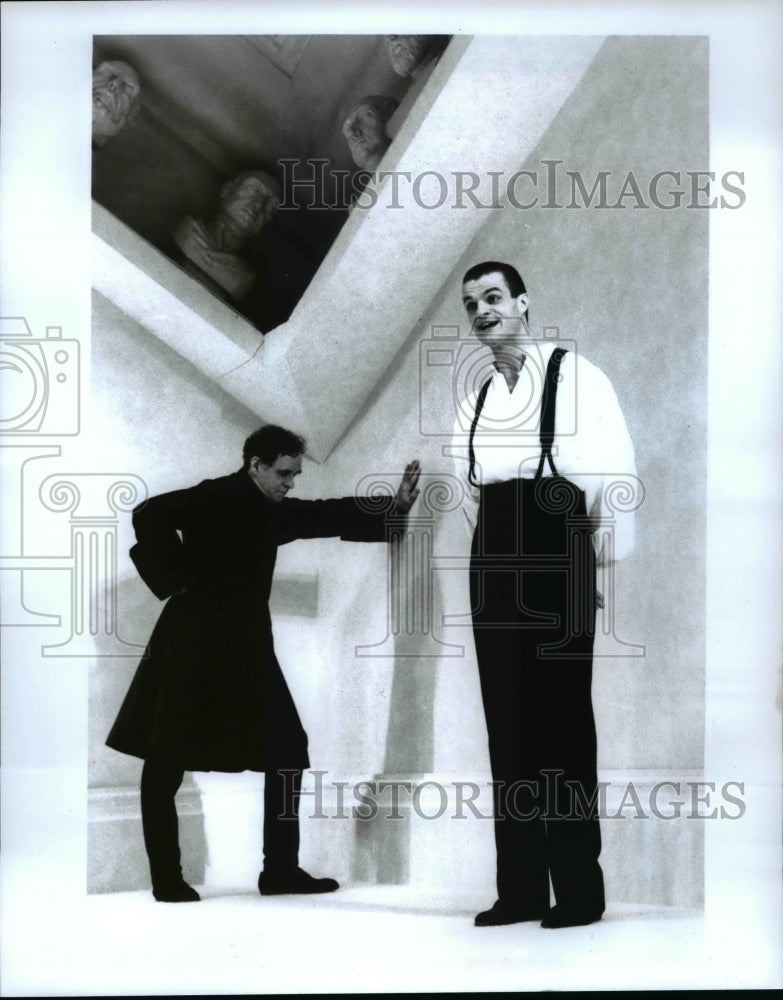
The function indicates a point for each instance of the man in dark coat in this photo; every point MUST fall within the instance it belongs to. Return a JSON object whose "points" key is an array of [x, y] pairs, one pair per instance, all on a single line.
{"points": [[209, 694]]}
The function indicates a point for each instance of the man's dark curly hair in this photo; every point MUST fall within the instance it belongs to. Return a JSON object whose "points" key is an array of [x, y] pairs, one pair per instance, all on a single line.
{"points": [[269, 442]]}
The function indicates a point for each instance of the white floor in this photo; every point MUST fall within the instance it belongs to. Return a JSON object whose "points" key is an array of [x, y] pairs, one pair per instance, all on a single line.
{"points": [[58, 941], [361, 939]]}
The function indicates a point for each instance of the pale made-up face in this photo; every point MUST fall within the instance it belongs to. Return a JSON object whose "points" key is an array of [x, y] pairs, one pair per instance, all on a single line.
{"points": [[277, 479], [365, 132], [115, 96], [249, 206], [496, 315]]}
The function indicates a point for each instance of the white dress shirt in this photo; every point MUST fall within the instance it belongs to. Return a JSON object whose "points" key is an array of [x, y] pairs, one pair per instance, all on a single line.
{"points": [[592, 447]]}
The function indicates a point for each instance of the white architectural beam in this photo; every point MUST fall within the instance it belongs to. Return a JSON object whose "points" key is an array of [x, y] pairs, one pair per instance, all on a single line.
{"points": [[483, 112]]}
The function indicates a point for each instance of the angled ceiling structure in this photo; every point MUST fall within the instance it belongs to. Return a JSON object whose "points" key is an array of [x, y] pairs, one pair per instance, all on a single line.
{"points": [[483, 110]]}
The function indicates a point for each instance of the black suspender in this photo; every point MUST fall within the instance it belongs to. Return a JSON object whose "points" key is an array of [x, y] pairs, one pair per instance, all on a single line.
{"points": [[551, 380], [479, 407], [548, 399]]}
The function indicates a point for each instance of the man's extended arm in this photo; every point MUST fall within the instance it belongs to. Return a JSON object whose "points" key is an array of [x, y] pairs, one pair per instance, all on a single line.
{"points": [[353, 519]]}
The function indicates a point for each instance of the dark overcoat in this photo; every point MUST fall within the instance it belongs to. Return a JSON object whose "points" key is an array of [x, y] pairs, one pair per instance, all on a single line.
{"points": [[209, 693]]}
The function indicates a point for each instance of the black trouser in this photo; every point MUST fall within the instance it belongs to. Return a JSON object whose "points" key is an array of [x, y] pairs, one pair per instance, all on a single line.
{"points": [[542, 750], [533, 598], [160, 780]]}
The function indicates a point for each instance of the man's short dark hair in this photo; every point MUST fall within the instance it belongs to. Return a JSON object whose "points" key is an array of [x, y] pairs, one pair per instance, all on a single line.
{"points": [[269, 442], [513, 278]]}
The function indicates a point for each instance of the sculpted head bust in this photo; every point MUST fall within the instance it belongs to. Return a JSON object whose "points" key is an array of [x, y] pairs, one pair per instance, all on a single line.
{"points": [[248, 202], [365, 129], [409, 53], [116, 99]]}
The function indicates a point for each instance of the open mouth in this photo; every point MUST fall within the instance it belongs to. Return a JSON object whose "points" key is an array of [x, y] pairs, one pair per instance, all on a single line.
{"points": [[487, 324]]}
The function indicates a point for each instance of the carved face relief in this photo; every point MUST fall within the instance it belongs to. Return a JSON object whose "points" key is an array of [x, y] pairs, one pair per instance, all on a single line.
{"points": [[248, 206], [407, 52], [365, 132], [116, 96]]}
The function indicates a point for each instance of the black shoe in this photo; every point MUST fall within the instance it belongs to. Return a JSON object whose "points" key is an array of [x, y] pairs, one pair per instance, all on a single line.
{"points": [[294, 880], [508, 913], [571, 916], [176, 892]]}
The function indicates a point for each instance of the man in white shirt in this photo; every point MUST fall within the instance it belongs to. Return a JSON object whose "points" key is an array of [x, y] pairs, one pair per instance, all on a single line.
{"points": [[547, 450]]}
